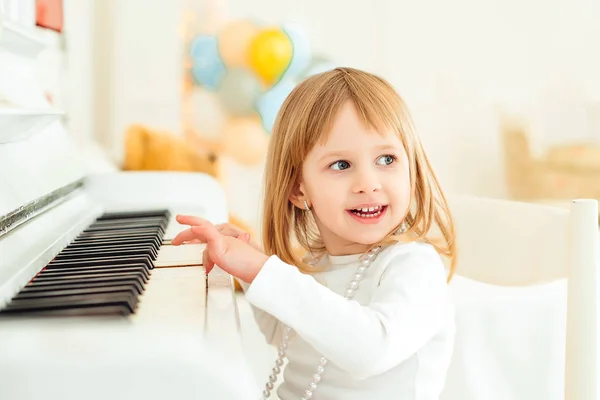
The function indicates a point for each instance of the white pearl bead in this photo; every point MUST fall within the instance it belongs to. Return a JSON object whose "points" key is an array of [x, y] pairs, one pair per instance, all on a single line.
{"points": [[273, 378], [320, 369], [281, 353], [279, 362], [276, 370], [316, 378], [354, 285], [270, 386], [361, 269], [308, 394], [323, 361], [358, 277], [312, 386], [266, 393], [349, 292]]}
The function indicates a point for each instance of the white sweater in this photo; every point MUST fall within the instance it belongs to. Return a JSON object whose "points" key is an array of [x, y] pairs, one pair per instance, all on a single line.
{"points": [[393, 340]]}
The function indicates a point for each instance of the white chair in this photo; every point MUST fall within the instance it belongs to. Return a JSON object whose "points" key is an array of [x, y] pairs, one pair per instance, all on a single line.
{"points": [[526, 292]]}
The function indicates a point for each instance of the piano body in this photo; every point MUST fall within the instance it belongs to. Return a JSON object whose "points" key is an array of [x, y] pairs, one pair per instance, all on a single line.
{"points": [[94, 302]]}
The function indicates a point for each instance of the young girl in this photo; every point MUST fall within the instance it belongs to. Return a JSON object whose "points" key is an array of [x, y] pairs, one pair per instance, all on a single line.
{"points": [[367, 315]]}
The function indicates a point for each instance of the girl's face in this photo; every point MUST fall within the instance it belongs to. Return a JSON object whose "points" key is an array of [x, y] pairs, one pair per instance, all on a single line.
{"points": [[357, 184]]}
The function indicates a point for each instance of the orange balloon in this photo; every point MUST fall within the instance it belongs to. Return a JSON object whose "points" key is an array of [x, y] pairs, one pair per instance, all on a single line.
{"points": [[270, 54], [245, 140], [234, 42]]}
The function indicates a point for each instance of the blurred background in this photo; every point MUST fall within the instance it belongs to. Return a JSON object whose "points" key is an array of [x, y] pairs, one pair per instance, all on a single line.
{"points": [[505, 94]]}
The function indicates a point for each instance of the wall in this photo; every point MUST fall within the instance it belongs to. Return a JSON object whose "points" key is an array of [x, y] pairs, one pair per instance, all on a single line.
{"points": [[454, 62]]}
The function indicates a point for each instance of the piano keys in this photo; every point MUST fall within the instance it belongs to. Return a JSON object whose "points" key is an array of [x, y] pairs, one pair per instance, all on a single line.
{"points": [[103, 271]]}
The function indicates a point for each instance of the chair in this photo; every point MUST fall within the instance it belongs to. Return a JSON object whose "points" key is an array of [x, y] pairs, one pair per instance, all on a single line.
{"points": [[526, 292]]}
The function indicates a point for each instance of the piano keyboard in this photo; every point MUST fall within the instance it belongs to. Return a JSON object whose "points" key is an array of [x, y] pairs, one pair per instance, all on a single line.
{"points": [[103, 271]]}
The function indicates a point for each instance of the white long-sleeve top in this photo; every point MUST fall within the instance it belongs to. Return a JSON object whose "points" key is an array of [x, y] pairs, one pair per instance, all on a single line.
{"points": [[393, 340]]}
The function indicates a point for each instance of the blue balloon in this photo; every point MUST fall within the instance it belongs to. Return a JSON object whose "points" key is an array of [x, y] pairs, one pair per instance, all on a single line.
{"points": [[270, 102], [207, 66], [301, 50]]}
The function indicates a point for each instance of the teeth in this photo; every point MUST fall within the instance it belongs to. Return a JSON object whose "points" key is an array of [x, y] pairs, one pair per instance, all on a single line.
{"points": [[369, 209], [368, 212]]}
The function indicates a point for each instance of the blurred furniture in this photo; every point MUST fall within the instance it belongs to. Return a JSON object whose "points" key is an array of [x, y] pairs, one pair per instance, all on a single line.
{"points": [[563, 172], [526, 295]]}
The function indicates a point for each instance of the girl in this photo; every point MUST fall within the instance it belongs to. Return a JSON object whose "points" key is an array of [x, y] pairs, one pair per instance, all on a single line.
{"points": [[367, 315]]}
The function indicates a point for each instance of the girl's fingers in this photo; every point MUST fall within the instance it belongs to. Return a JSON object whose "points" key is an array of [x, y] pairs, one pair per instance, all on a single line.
{"points": [[207, 234], [190, 220], [227, 230], [207, 262], [184, 236]]}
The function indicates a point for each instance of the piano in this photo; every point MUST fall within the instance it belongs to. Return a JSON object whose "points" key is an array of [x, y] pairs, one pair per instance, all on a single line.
{"points": [[94, 301]]}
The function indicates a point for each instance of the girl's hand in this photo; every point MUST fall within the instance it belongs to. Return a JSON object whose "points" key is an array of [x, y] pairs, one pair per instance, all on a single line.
{"points": [[234, 255], [225, 229]]}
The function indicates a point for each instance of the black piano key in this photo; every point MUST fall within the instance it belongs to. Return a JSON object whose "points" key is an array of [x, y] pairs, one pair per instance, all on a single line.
{"points": [[124, 235], [99, 254], [118, 224], [105, 243], [91, 277], [102, 310], [134, 214], [128, 239], [125, 220], [55, 274], [83, 284], [86, 303], [71, 292], [107, 268], [145, 260], [107, 250]]}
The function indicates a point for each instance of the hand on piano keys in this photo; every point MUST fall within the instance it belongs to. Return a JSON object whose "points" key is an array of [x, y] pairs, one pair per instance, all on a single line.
{"points": [[226, 247]]}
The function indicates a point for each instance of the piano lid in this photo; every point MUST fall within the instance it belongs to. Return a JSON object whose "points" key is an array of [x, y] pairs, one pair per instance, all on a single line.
{"points": [[37, 157]]}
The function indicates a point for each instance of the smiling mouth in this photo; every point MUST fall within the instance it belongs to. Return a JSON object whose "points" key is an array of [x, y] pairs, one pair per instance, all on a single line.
{"points": [[370, 212]]}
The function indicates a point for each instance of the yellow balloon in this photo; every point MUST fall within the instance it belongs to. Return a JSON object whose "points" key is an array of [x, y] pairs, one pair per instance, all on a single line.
{"points": [[234, 42], [270, 54], [245, 140]]}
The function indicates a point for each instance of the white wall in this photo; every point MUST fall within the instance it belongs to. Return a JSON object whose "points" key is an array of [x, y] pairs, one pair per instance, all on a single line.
{"points": [[452, 61]]}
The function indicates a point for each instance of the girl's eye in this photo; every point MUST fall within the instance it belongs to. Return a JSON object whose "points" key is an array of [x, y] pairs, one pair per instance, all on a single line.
{"points": [[386, 160], [340, 165]]}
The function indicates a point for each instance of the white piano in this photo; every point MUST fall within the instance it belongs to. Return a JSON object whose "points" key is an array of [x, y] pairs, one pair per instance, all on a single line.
{"points": [[94, 302]]}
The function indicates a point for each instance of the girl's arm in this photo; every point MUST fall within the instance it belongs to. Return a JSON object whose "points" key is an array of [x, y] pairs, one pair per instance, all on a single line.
{"points": [[269, 326], [408, 307]]}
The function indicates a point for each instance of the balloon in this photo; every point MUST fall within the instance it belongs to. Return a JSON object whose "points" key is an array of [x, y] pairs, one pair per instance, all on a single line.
{"points": [[317, 65], [207, 67], [270, 102], [270, 54], [234, 41], [301, 50], [239, 91], [244, 139]]}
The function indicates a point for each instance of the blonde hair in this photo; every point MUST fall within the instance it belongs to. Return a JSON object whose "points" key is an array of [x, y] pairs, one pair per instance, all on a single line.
{"points": [[305, 118]]}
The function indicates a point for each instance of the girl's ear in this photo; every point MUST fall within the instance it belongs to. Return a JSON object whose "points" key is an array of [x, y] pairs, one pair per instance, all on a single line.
{"points": [[297, 196]]}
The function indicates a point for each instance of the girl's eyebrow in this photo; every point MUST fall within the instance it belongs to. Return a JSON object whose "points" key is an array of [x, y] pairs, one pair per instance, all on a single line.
{"points": [[342, 154]]}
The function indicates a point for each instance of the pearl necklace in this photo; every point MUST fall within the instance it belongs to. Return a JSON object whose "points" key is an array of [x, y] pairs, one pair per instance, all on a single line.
{"points": [[365, 262]]}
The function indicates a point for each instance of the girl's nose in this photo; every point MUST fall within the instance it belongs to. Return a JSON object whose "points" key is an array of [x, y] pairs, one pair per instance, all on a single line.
{"points": [[366, 181]]}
